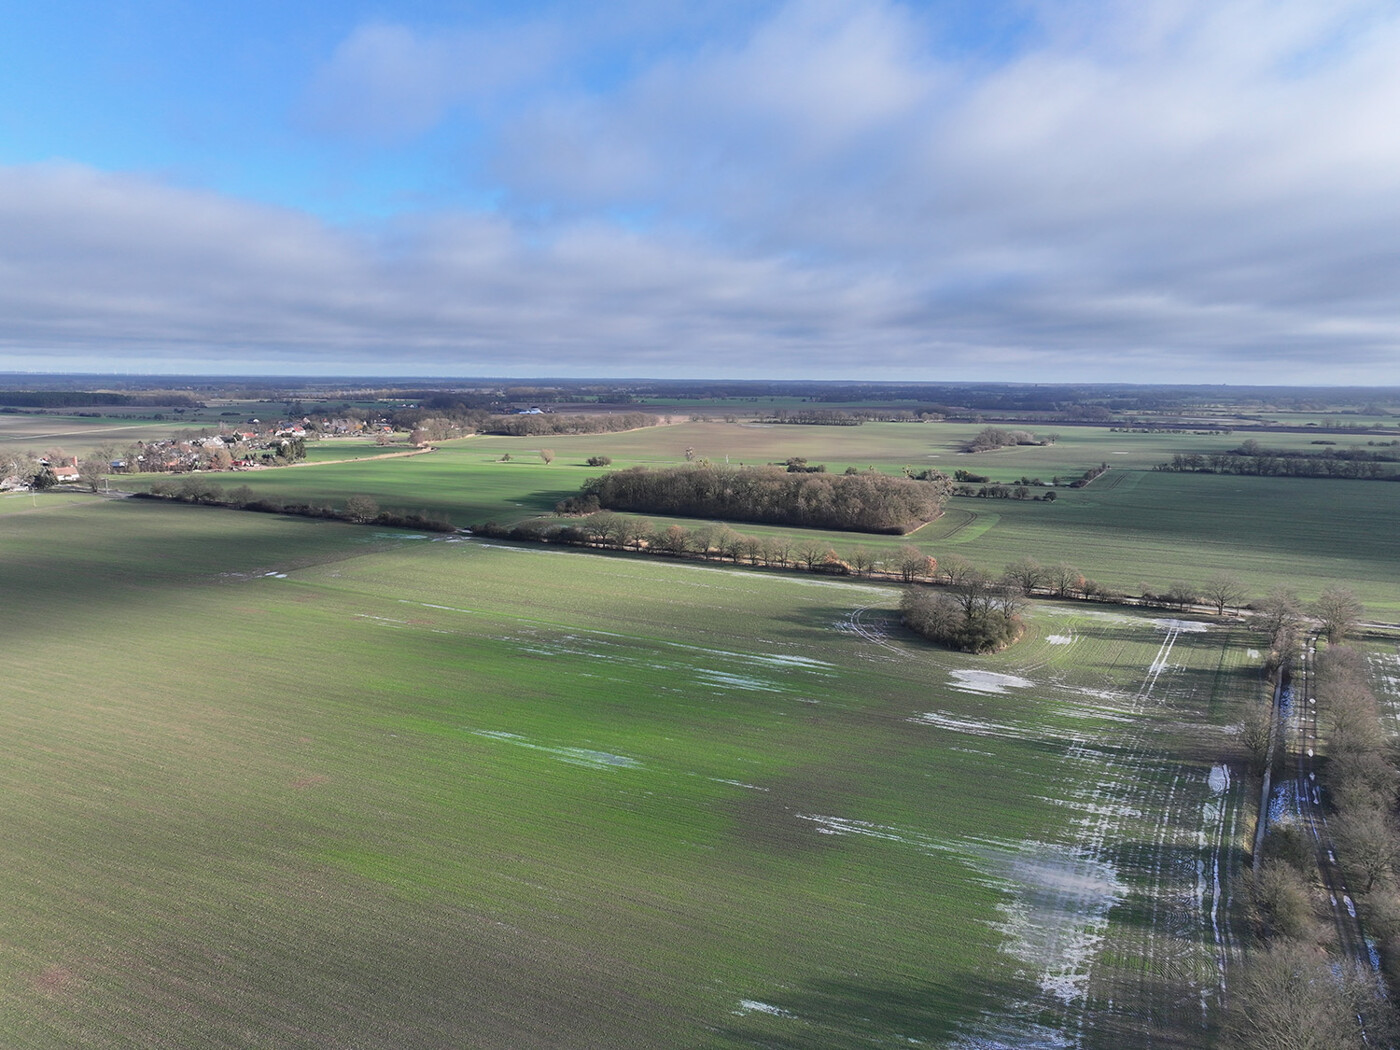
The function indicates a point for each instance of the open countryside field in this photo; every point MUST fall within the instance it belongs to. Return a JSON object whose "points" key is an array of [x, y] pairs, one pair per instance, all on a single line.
{"points": [[1132, 527], [289, 783]]}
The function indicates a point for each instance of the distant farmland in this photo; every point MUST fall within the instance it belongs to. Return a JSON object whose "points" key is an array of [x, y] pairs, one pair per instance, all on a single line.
{"points": [[1128, 528], [289, 783]]}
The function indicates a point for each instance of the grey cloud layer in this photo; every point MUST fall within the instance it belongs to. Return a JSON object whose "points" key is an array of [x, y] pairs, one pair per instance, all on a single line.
{"points": [[1151, 190]]}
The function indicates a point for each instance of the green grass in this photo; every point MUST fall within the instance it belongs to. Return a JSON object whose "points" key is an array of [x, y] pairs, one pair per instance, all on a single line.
{"points": [[260, 792]]}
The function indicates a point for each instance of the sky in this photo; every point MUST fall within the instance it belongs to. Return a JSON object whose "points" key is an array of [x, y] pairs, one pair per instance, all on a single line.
{"points": [[952, 190]]}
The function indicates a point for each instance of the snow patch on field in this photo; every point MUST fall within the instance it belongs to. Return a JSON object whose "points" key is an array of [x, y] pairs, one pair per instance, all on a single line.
{"points": [[974, 681], [1059, 897], [1219, 779], [579, 756], [755, 1006], [993, 1033], [846, 826], [1183, 626], [739, 784], [1059, 639], [724, 680], [973, 726], [769, 659], [1091, 614]]}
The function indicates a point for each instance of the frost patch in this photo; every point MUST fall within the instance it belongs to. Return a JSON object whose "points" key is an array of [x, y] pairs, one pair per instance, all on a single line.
{"points": [[974, 681]]}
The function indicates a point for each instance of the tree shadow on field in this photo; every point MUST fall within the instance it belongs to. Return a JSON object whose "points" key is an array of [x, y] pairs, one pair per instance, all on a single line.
{"points": [[842, 1013]]}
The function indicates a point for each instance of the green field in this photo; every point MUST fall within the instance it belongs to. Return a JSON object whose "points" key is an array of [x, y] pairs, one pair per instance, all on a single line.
{"points": [[285, 783], [1130, 529]]}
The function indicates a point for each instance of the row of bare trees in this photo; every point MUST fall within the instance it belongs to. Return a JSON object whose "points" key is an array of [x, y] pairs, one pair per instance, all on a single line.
{"points": [[1293, 993]]}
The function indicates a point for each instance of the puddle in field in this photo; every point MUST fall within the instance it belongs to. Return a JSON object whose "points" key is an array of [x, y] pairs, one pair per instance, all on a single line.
{"points": [[579, 756]]}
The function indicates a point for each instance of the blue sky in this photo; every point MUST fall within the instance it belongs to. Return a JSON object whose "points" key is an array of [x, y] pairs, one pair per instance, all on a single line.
{"points": [[1019, 190]]}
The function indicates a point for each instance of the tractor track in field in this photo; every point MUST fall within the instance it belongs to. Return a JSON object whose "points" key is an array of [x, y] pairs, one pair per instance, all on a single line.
{"points": [[857, 623], [1142, 961]]}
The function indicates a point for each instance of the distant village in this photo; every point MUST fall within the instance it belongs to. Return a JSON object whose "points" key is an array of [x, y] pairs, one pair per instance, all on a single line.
{"points": [[250, 446]]}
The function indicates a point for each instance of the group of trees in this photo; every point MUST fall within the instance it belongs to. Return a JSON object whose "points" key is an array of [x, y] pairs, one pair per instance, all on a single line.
{"points": [[976, 614], [1292, 994], [989, 438], [866, 501]]}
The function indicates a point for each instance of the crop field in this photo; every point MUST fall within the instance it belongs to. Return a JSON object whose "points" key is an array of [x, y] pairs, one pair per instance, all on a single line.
{"points": [[291, 783], [1131, 527], [77, 435]]}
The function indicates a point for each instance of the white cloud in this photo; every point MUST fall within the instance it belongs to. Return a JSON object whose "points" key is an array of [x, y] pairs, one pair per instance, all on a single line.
{"points": [[1155, 189]]}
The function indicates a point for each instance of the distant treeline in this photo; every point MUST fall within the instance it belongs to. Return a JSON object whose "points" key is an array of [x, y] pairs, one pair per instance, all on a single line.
{"points": [[439, 422], [859, 502], [847, 417], [547, 423], [1251, 458], [90, 398]]}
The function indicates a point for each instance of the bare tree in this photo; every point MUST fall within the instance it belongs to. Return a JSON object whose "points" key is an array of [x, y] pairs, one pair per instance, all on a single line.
{"points": [[1279, 610], [862, 561], [1223, 589], [547, 454], [1027, 574], [1339, 611], [812, 553], [92, 470], [1065, 579], [752, 549], [1291, 998], [913, 564], [1367, 843], [361, 509], [955, 568]]}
